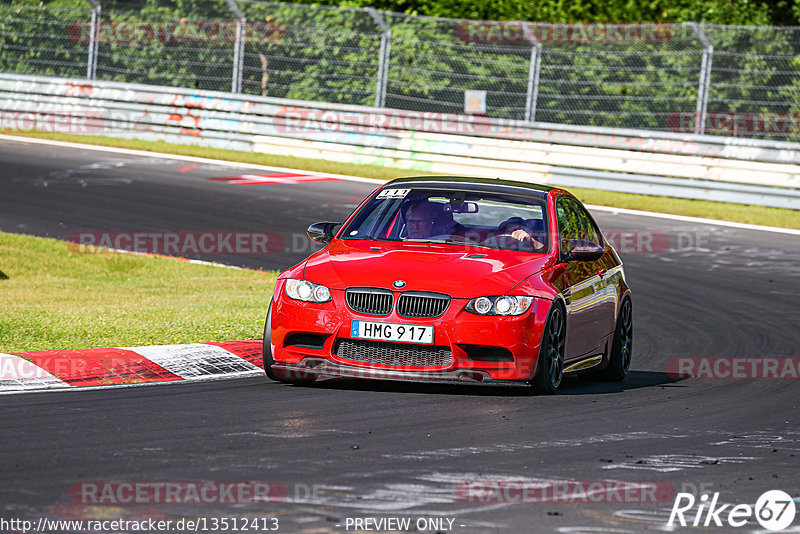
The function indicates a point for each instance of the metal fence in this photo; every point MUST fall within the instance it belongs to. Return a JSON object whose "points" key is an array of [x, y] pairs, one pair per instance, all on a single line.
{"points": [[688, 78]]}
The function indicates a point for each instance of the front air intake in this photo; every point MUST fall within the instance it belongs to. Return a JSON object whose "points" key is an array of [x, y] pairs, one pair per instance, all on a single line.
{"points": [[393, 354]]}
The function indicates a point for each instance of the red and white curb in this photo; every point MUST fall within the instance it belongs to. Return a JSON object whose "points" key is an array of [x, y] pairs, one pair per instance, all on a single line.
{"points": [[53, 369]]}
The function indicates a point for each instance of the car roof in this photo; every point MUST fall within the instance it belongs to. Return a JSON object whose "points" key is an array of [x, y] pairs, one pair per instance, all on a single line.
{"points": [[474, 183]]}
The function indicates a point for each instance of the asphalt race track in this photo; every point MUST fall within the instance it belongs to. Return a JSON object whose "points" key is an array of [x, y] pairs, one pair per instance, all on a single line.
{"points": [[386, 450]]}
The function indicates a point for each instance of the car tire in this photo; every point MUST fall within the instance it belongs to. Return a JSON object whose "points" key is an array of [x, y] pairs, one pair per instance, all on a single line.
{"points": [[619, 362], [266, 356], [551, 353], [266, 350]]}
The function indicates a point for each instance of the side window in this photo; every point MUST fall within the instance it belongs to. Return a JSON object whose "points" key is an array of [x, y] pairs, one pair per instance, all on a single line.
{"points": [[589, 231], [569, 225], [574, 222]]}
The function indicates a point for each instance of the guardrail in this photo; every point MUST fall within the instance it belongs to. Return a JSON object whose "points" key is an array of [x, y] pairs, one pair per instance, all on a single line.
{"points": [[736, 170]]}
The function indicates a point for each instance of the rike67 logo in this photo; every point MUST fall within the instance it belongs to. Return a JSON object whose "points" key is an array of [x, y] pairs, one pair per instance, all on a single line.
{"points": [[774, 510]]}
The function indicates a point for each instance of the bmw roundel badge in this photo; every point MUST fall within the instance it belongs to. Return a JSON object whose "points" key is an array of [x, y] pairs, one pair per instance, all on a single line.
{"points": [[399, 284]]}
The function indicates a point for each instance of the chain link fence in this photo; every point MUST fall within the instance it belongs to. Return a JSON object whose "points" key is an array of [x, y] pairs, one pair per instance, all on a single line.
{"points": [[36, 40], [314, 53], [688, 78], [157, 43]]}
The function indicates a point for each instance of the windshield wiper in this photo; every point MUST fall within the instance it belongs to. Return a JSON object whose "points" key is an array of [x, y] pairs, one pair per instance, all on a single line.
{"points": [[426, 240], [441, 241]]}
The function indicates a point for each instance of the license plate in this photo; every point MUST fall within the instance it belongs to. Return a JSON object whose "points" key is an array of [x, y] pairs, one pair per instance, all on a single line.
{"points": [[392, 332]]}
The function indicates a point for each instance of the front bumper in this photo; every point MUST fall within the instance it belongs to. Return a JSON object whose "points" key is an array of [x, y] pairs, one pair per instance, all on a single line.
{"points": [[320, 368], [464, 334]]}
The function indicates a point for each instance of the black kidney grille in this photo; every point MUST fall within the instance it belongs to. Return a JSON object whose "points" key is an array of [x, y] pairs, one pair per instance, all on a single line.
{"points": [[370, 301], [422, 305], [394, 354]]}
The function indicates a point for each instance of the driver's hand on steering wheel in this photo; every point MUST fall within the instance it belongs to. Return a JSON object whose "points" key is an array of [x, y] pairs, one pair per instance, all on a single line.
{"points": [[524, 237]]}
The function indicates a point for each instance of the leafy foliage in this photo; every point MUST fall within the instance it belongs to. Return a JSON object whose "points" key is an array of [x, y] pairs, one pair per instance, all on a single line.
{"points": [[736, 12]]}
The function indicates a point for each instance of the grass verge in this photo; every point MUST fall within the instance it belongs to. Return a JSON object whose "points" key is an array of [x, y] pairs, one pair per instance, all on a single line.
{"points": [[55, 298], [694, 208]]}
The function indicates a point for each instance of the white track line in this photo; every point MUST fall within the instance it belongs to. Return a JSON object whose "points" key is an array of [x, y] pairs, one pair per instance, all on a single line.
{"points": [[206, 378], [181, 258], [701, 220], [194, 159], [145, 153]]}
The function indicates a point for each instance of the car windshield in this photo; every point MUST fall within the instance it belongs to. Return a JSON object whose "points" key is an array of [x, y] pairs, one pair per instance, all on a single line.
{"points": [[484, 219]]}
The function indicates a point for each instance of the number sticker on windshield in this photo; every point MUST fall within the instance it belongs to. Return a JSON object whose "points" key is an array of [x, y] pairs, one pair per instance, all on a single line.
{"points": [[393, 193]]}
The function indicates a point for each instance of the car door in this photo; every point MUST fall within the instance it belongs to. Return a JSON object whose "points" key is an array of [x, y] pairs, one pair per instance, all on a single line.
{"points": [[586, 321]]}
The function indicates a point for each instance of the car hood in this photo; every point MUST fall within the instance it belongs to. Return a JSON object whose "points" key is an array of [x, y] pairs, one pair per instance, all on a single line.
{"points": [[459, 271]]}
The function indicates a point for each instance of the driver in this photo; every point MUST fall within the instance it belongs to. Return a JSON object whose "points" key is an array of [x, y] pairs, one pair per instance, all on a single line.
{"points": [[517, 228], [420, 218]]}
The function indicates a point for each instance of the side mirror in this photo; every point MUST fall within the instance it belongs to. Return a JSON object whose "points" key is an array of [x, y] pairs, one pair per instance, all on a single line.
{"points": [[577, 250], [322, 232]]}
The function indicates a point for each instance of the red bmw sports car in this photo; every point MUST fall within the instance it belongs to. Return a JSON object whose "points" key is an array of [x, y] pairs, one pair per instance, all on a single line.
{"points": [[466, 280]]}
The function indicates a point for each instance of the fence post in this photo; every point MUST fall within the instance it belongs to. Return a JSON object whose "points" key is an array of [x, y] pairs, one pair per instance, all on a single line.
{"points": [[532, 95], [705, 78], [708, 57], [383, 57], [534, 66], [91, 63], [238, 47]]}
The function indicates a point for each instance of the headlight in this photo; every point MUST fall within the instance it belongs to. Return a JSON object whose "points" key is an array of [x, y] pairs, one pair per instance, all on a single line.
{"points": [[306, 291], [500, 305]]}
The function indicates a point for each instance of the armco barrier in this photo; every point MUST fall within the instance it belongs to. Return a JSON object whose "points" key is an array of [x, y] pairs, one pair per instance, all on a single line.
{"points": [[737, 170]]}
